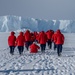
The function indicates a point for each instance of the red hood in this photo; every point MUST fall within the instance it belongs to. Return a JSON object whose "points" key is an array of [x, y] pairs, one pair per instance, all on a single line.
{"points": [[58, 31], [12, 33], [21, 33]]}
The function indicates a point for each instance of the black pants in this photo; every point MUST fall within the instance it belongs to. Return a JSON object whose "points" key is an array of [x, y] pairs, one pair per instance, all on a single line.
{"points": [[20, 49], [49, 43], [55, 46], [59, 49], [27, 44], [43, 46], [12, 49], [31, 42]]}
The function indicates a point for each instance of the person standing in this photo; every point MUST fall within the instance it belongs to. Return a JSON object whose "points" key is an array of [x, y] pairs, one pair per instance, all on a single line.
{"points": [[11, 42], [59, 41], [20, 42], [32, 37], [36, 36], [42, 40], [49, 34], [27, 37]]}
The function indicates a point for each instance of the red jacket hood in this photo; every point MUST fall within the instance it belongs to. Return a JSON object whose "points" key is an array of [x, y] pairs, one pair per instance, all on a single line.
{"points": [[58, 31], [21, 33], [12, 33]]}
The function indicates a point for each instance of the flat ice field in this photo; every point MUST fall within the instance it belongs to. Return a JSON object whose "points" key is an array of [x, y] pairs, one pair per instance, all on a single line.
{"points": [[47, 63]]}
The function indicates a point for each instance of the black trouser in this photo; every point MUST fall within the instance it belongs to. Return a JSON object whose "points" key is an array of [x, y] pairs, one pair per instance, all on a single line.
{"points": [[55, 46], [20, 49], [12, 49], [31, 42], [43, 46], [49, 43], [27, 44], [59, 49]]}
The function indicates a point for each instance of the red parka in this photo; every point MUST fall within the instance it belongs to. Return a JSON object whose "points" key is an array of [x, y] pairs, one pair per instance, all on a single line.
{"points": [[36, 34], [32, 37], [34, 48], [42, 37], [59, 38], [11, 39], [27, 36], [49, 34], [20, 39], [37, 37]]}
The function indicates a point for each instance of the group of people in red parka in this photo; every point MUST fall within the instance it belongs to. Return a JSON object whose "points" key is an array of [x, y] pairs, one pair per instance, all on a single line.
{"points": [[30, 40]]}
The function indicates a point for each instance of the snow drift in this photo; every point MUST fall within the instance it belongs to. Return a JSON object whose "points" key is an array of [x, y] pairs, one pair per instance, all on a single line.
{"points": [[15, 23]]}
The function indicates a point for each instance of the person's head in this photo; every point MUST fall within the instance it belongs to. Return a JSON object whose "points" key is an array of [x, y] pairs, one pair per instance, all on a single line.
{"points": [[58, 31], [32, 34], [12, 32], [21, 33], [27, 31], [42, 31]]}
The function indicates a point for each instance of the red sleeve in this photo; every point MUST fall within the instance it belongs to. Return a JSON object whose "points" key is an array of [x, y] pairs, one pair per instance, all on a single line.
{"points": [[63, 38]]}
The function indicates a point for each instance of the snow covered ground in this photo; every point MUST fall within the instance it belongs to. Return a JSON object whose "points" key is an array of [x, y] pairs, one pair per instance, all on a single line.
{"points": [[47, 63]]}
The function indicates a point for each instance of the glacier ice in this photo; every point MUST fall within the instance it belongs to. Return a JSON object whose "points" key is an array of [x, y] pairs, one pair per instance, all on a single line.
{"points": [[17, 23]]}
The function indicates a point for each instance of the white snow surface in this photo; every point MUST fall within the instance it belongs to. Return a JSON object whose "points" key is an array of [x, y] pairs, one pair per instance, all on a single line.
{"points": [[16, 23], [47, 63]]}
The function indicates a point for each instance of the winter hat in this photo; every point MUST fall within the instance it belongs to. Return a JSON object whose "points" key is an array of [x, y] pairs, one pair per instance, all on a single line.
{"points": [[58, 31], [27, 31], [12, 33], [42, 32], [21, 33]]}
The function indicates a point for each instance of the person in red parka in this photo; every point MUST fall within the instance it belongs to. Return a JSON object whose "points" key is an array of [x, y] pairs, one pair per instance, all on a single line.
{"points": [[36, 36], [34, 48], [42, 40], [11, 42], [32, 38], [20, 42], [49, 34], [59, 41], [27, 36]]}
